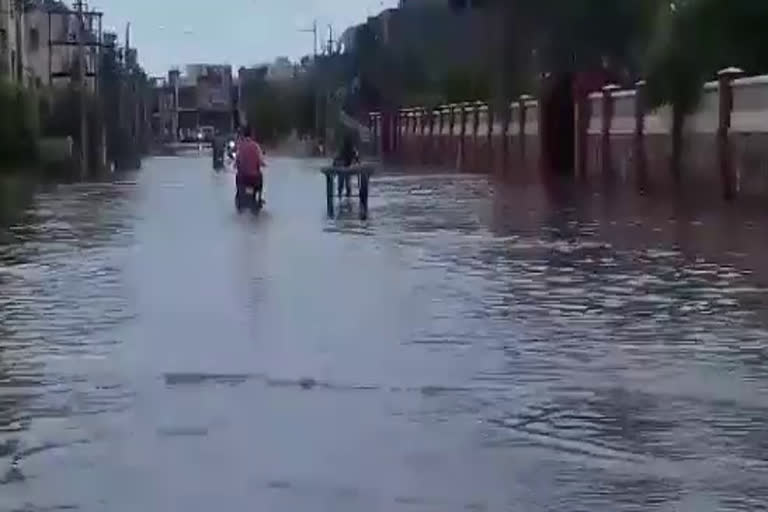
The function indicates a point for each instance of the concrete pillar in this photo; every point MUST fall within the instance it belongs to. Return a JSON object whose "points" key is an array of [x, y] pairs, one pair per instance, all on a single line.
{"points": [[173, 80], [728, 178], [641, 157], [608, 104]]}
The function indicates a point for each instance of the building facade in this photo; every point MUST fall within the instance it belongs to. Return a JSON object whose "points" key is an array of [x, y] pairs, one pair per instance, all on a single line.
{"points": [[11, 40], [200, 99], [50, 52]]}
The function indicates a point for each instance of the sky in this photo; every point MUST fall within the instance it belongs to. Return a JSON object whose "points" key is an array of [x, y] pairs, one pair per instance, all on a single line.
{"points": [[172, 33]]}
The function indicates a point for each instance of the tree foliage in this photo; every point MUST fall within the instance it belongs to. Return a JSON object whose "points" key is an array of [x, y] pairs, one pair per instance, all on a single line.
{"points": [[19, 126], [693, 39], [276, 109], [500, 49]]}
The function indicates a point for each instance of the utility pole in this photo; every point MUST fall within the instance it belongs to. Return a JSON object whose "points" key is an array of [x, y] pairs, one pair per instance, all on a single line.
{"points": [[317, 77], [134, 96], [326, 90], [18, 11], [83, 89]]}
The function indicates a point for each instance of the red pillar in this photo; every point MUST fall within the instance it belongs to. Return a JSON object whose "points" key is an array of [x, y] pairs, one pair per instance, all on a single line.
{"points": [[523, 120], [431, 136], [490, 152], [450, 154], [422, 135], [607, 164], [462, 155], [505, 122], [386, 134], [724, 149], [474, 152], [641, 158], [583, 115]]}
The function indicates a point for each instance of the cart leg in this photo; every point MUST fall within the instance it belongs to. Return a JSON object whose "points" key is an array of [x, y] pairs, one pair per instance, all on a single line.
{"points": [[329, 193], [363, 196]]}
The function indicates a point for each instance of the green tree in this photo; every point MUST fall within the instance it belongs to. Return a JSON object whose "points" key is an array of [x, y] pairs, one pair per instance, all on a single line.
{"points": [[19, 127], [274, 110], [694, 39]]}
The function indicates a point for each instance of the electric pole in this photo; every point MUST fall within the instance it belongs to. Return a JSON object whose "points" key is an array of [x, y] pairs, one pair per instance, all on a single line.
{"points": [[82, 84], [317, 77], [327, 92]]}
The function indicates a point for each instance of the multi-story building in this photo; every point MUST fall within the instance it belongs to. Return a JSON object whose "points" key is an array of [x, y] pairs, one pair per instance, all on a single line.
{"points": [[161, 107], [201, 99], [245, 75], [11, 40], [50, 55]]}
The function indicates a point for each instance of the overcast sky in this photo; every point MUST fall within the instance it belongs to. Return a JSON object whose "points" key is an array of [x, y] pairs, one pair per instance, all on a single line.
{"points": [[238, 32]]}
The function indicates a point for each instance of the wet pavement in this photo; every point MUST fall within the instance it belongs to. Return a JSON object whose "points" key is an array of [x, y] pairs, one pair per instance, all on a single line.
{"points": [[468, 348]]}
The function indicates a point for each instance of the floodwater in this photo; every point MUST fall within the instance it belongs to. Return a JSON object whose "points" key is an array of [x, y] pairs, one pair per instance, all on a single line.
{"points": [[470, 347]]}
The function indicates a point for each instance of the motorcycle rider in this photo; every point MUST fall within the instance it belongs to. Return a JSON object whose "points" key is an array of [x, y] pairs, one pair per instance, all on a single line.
{"points": [[218, 152], [249, 162], [347, 156]]}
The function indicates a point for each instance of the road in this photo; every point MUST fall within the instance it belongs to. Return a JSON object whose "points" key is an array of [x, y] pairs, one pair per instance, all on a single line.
{"points": [[468, 348]]}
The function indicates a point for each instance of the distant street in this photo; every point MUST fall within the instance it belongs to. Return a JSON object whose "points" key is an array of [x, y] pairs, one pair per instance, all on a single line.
{"points": [[468, 348]]}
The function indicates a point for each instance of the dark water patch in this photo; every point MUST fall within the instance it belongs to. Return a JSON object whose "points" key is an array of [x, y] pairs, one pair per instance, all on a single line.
{"points": [[183, 432], [540, 352], [54, 508], [196, 379]]}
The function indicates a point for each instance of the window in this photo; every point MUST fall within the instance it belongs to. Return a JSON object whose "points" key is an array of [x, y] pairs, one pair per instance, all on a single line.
{"points": [[34, 39]]}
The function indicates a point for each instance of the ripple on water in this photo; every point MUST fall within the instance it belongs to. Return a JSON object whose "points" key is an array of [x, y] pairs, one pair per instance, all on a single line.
{"points": [[62, 296], [621, 375]]}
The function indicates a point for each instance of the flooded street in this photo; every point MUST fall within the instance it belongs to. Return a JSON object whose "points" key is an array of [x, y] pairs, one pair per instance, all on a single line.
{"points": [[468, 348]]}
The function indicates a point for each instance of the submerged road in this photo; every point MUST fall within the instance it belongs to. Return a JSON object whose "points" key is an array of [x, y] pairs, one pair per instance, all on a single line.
{"points": [[468, 348]]}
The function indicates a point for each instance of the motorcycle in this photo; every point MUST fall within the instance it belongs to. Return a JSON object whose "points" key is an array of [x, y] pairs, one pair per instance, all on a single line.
{"points": [[231, 150], [249, 197], [218, 162], [217, 151]]}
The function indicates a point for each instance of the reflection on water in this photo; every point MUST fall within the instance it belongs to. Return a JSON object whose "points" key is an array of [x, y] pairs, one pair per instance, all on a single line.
{"points": [[60, 297], [577, 354]]}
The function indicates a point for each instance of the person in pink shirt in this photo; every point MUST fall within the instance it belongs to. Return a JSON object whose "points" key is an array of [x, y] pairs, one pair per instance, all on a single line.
{"points": [[249, 162]]}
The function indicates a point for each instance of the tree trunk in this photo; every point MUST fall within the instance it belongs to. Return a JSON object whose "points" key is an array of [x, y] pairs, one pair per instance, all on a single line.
{"points": [[678, 123]]}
